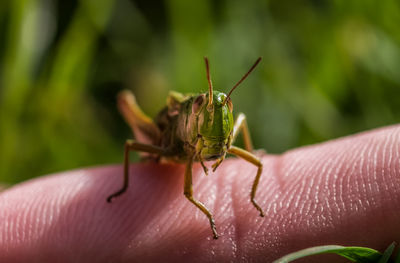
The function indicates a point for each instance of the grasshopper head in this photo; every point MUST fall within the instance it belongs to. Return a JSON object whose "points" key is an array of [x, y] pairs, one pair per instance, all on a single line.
{"points": [[215, 119], [215, 124]]}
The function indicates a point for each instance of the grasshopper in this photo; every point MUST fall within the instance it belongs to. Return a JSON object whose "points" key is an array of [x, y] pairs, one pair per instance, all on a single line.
{"points": [[190, 128]]}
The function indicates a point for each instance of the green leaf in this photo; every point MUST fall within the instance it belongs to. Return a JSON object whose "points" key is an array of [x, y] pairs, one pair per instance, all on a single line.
{"points": [[354, 254]]}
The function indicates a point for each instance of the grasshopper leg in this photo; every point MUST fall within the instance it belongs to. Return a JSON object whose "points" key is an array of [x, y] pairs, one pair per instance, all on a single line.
{"points": [[188, 191], [131, 145], [145, 130], [241, 125], [254, 160]]}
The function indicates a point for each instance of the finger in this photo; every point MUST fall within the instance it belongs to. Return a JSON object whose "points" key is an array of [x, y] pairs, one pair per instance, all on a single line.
{"points": [[341, 192]]}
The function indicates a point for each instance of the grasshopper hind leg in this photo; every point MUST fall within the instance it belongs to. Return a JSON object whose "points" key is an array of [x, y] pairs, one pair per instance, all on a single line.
{"points": [[144, 129], [134, 146]]}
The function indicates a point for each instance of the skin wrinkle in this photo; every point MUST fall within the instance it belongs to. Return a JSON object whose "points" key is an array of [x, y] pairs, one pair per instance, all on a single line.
{"points": [[17, 225], [127, 214], [60, 203], [279, 163], [238, 188], [71, 211], [122, 215], [344, 168], [93, 209], [386, 168], [378, 159], [286, 196], [74, 210], [297, 203], [361, 190], [138, 240], [295, 208], [313, 206], [396, 163], [172, 217], [56, 205], [389, 163], [143, 211], [39, 214], [327, 176], [11, 230], [366, 180], [256, 224], [17, 228], [176, 216], [235, 232], [308, 206], [23, 225], [356, 158], [397, 168], [352, 207], [334, 184], [170, 220], [346, 177], [370, 188], [279, 204], [370, 178], [5, 221]]}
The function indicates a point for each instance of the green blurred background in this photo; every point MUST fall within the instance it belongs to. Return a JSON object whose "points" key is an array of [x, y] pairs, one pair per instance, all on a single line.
{"points": [[329, 68]]}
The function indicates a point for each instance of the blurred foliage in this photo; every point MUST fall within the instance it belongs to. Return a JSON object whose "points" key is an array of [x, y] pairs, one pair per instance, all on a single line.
{"points": [[329, 68]]}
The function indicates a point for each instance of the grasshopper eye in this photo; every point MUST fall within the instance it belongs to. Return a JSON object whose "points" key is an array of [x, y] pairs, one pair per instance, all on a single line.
{"points": [[198, 102], [230, 104]]}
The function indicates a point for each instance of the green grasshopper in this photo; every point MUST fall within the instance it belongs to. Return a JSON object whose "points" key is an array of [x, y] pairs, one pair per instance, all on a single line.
{"points": [[190, 128]]}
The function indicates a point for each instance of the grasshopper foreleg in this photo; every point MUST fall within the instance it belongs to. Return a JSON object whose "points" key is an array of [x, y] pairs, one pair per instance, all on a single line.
{"points": [[202, 164], [131, 145], [217, 163], [198, 149], [188, 191], [241, 125], [254, 160]]}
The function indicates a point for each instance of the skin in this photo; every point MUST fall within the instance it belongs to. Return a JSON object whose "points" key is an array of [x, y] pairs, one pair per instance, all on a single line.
{"points": [[342, 192]]}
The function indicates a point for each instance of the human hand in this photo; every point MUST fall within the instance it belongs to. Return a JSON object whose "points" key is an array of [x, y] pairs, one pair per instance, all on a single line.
{"points": [[343, 192]]}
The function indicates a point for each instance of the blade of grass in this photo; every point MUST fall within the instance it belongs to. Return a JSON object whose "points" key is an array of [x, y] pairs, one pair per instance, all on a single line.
{"points": [[388, 252], [355, 254]]}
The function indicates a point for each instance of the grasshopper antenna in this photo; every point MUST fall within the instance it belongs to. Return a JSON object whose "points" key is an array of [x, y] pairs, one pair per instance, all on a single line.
{"points": [[210, 87], [241, 80]]}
